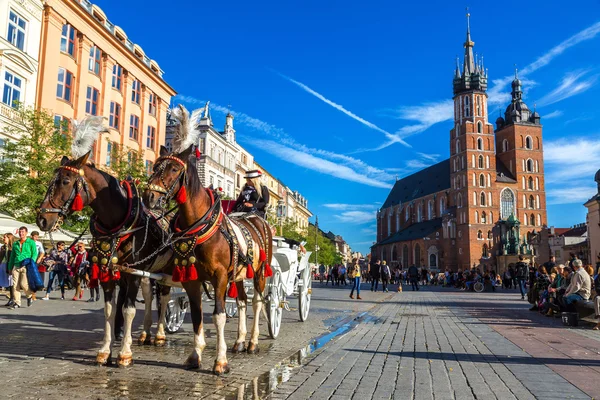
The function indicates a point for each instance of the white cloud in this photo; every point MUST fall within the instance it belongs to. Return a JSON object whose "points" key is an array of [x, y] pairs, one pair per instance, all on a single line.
{"points": [[351, 207], [571, 84], [368, 231], [553, 114], [568, 160], [571, 195], [357, 217], [392, 138]]}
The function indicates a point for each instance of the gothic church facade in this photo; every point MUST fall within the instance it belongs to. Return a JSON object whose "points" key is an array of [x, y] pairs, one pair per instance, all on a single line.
{"points": [[460, 212]]}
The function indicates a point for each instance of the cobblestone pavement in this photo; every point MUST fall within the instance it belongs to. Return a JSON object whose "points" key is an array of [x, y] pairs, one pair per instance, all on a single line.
{"points": [[47, 351], [441, 343]]}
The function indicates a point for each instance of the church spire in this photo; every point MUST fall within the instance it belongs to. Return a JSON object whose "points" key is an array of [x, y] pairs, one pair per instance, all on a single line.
{"points": [[469, 63]]}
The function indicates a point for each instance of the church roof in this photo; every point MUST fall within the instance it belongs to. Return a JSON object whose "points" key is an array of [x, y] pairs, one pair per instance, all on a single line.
{"points": [[503, 174], [427, 181], [414, 231]]}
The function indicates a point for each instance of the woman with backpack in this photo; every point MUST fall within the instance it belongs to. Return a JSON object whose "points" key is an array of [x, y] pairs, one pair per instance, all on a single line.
{"points": [[385, 275], [354, 272]]}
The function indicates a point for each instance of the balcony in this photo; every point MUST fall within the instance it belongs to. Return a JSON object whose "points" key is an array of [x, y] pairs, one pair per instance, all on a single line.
{"points": [[8, 113]]}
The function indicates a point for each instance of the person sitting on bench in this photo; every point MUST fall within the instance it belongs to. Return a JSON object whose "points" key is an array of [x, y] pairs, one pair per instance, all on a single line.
{"points": [[579, 289]]}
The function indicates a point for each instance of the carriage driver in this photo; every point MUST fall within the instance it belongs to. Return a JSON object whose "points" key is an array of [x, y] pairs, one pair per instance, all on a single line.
{"points": [[250, 200]]}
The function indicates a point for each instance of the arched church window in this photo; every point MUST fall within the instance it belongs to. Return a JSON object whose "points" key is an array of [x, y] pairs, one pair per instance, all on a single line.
{"points": [[480, 161], [478, 108], [479, 144], [507, 203], [539, 220], [530, 165], [528, 143], [483, 218], [530, 182], [489, 236], [482, 197], [537, 201], [407, 213], [419, 213], [467, 108], [479, 127], [476, 217], [479, 235], [532, 220], [531, 202], [481, 180], [459, 200], [484, 251], [430, 210], [442, 205], [505, 145], [489, 180], [457, 146]]}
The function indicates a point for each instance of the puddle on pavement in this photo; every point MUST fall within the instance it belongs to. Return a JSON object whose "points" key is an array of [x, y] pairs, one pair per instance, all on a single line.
{"points": [[266, 383]]}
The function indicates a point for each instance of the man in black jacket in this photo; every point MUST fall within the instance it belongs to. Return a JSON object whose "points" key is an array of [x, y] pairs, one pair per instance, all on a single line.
{"points": [[413, 276], [374, 272], [522, 272]]}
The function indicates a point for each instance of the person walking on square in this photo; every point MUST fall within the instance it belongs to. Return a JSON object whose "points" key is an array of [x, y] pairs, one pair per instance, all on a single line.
{"points": [[23, 249], [374, 271], [355, 275], [8, 240], [321, 272], [385, 276], [329, 276], [78, 268], [521, 274], [413, 276], [57, 261]]}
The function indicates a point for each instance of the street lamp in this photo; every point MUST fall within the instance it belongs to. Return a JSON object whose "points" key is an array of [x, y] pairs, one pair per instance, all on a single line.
{"points": [[280, 215]]}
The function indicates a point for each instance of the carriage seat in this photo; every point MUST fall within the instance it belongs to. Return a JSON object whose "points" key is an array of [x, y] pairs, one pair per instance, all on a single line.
{"points": [[283, 261]]}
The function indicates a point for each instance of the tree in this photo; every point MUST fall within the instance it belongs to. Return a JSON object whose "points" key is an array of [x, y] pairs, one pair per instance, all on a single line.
{"points": [[127, 163], [327, 252], [29, 162]]}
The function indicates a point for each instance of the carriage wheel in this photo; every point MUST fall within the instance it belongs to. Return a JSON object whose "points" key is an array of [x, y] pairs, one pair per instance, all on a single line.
{"points": [[305, 294], [274, 303], [231, 308], [175, 314], [478, 287]]}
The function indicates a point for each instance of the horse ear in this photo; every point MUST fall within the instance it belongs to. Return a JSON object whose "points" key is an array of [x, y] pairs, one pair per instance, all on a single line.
{"points": [[81, 161], [163, 151], [184, 155], [64, 161]]}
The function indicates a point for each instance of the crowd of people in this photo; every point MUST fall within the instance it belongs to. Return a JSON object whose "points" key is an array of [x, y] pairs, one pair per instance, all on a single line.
{"points": [[25, 264]]}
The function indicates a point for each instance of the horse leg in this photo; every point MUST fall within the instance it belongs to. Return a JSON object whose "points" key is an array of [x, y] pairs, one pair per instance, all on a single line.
{"points": [[146, 335], [219, 319], [104, 354], [125, 358], [240, 343], [118, 325], [195, 296], [165, 297], [257, 304]]}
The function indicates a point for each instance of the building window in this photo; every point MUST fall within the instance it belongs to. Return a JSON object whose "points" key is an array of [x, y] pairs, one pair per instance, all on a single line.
{"points": [[432, 261], [489, 236], [531, 202], [407, 213], [482, 197], [109, 151], [67, 40], [95, 57], [528, 143], [152, 104], [420, 213], [459, 200], [478, 113], [476, 217], [507, 203], [149, 167], [479, 235], [505, 145], [480, 161], [481, 180], [479, 144], [91, 101], [151, 137], [16, 30], [484, 251], [115, 115], [530, 181], [134, 127], [442, 205], [12, 89], [532, 220], [539, 220], [61, 124], [529, 164], [135, 91], [117, 78], [64, 88], [479, 125], [430, 210], [483, 218], [467, 110]]}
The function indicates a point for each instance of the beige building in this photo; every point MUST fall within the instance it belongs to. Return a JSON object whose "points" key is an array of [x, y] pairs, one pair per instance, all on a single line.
{"points": [[20, 27], [593, 224], [88, 66]]}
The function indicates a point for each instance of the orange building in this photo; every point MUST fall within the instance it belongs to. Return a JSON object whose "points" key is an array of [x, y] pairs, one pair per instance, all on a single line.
{"points": [[88, 66]]}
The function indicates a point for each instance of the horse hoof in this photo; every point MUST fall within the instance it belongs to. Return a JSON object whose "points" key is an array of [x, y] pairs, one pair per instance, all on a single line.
{"points": [[239, 347], [252, 348], [125, 361], [160, 340], [144, 339], [221, 368], [103, 359], [191, 363]]}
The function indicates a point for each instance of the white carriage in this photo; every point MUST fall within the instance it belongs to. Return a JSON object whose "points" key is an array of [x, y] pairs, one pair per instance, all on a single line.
{"points": [[291, 277]]}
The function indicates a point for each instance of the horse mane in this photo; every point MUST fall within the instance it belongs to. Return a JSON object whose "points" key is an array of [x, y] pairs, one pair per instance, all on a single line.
{"points": [[193, 183]]}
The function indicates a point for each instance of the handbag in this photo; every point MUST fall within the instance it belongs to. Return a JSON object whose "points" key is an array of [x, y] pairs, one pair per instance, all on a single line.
{"points": [[34, 279]]}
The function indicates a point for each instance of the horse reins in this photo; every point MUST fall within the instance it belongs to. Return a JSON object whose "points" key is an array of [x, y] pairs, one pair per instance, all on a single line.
{"points": [[79, 185], [167, 191]]}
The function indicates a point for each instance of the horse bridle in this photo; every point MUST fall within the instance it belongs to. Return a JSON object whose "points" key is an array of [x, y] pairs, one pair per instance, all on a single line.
{"points": [[167, 191], [80, 183]]}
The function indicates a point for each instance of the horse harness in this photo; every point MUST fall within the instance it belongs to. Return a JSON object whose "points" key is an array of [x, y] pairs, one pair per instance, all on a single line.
{"points": [[69, 205], [167, 191]]}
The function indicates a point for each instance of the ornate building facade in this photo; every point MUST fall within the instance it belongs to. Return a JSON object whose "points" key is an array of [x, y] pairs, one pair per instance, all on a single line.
{"points": [[485, 201]]}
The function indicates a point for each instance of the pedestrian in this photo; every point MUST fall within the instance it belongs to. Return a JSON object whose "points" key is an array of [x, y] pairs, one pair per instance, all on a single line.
{"points": [[57, 262], [35, 235], [343, 274], [355, 275], [93, 279], [5, 275], [374, 271], [335, 273], [397, 276], [413, 275], [23, 249], [521, 275], [385, 276], [79, 265], [321, 272]]}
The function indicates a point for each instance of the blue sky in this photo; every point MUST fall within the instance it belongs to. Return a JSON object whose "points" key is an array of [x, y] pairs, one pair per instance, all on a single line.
{"points": [[337, 98]]}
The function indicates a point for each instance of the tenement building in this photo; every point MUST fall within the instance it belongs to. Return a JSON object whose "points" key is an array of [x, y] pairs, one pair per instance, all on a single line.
{"points": [[486, 201], [88, 66]]}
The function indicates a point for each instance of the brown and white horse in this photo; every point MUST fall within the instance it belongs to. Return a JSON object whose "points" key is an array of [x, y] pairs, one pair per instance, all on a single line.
{"points": [[210, 248], [123, 233]]}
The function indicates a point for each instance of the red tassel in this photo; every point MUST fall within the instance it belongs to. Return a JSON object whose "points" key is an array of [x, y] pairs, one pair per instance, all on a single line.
{"points": [[181, 196], [268, 271], [77, 204], [232, 292], [262, 255], [104, 275], [249, 272], [177, 274], [192, 274], [116, 275], [198, 154], [95, 272]]}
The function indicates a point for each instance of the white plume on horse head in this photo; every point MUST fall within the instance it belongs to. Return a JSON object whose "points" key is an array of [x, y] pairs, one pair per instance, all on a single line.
{"points": [[85, 133], [186, 132]]}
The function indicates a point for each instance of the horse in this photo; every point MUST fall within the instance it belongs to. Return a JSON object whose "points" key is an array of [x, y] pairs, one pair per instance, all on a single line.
{"points": [[212, 249], [123, 233]]}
